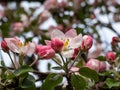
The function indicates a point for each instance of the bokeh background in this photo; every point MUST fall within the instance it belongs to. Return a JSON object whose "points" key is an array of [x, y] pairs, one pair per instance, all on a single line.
{"points": [[34, 20]]}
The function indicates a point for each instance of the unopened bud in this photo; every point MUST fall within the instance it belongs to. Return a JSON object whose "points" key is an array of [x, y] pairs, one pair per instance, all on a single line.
{"points": [[87, 42], [57, 44], [4, 46], [93, 64], [110, 56]]}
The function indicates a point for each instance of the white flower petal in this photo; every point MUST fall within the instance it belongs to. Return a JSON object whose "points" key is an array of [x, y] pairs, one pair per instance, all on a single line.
{"points": [[13, 44], [57, 34], [28, 49], [68, 53], [47, 42], [71, 33], [76, 42]]}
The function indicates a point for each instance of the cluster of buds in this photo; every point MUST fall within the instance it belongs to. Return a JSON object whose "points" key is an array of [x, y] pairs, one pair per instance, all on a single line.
{"points": [[100, 66], [96, 65]]}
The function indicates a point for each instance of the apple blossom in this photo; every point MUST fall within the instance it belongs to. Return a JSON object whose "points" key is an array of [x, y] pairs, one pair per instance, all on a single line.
{"points": [[110, 56], [70, 39], [17, 46], [93, 64], [87, 42], [4, 46], [45, 52]]}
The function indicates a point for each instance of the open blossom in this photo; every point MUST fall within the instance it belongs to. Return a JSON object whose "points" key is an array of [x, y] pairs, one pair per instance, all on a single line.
{"points": [[110, 56], [45, 52], [87, 42], [4, 46], [93, 64], [70, 41], [17, 46]]}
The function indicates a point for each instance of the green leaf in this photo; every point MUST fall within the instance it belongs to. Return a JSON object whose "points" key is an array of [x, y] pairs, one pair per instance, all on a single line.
{"points": [[89, 73], [112, 83], [51, 81], [23, 70], [101, 58], [57, 68], [10, 76], [28, 83], [78, 82]]}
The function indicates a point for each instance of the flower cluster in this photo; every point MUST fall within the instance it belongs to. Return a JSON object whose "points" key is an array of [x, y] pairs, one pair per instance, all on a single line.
{"points": [[68, 50]]}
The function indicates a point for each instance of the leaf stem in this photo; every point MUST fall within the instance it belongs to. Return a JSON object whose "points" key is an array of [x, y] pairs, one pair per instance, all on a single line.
{"points": [[62, 58], [12, 60], [33, 62]]}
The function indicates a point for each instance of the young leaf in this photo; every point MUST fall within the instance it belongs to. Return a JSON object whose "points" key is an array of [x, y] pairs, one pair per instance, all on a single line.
{"points": [[57, 68], [51, 81], [23, 70], [89, 73], [101, 58], [112, 83], [78, 82], [28, 83]]}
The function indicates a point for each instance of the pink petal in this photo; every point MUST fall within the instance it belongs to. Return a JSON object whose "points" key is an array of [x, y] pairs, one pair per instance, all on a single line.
{"points": [[76, 42], [29, 49], [57, 34], [68, 53], [71, 33], [13, 44], [47, 42]]}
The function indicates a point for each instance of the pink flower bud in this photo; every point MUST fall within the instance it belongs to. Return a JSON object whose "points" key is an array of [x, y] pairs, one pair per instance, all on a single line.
{"points": [[4, 46], [45, 52], [75, 70], [87, 42], [18, 27], [110, 56], [102, 66], [57, 44], [93, 64], [116, 39]]}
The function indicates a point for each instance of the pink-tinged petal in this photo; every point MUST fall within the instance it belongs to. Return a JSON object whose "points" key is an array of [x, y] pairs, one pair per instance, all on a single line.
{"points": [[68, 53], [13, 44], [76, 42], [47, 42], [29, 49], [71, 33], [57, 34], [74, 69]]}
